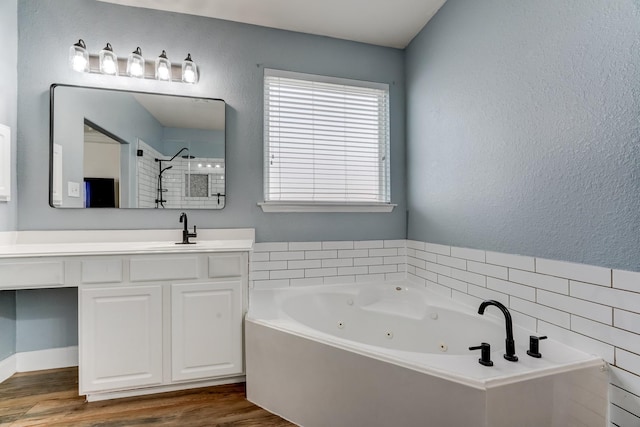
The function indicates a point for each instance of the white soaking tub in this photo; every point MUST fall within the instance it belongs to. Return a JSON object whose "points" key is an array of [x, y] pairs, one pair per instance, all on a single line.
{"points": [[392, 354]]}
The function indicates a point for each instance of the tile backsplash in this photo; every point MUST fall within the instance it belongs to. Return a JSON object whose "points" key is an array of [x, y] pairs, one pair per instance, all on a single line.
{"points": [[592, 308]]}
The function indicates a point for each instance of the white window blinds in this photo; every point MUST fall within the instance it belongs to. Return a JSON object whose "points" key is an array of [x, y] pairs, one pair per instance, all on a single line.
{"points": [[326, 139]]}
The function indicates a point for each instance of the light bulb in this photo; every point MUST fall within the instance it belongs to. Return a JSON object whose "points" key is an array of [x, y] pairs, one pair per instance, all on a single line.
{"points": [[189, 70], [163, 72], [79, 57], [79, 63], [108, 61], [135, 64], [163, 67]]}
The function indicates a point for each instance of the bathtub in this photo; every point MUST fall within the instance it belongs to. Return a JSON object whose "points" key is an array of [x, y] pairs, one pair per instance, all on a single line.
{"points": [[393, 354]]}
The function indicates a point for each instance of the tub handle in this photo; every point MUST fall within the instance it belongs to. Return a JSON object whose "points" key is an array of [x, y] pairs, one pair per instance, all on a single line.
{"points": [[485, 354], [534, 346]]}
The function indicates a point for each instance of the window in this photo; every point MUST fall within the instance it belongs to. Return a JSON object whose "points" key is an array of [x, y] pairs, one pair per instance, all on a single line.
{"points": [[326, 142]]}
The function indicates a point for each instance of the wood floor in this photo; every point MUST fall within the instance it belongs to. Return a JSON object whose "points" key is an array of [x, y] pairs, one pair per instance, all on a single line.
{"points": [[50, 398]]}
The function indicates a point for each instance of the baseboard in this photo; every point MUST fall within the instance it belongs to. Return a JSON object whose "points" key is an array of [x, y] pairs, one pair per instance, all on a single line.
{"points": [[7, 367], [51, 358]]}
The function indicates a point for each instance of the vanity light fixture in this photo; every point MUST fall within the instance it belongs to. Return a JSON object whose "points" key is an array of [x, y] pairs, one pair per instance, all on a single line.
{"points": [[163, 67], [108, 61], [135, 64], [79, 57], [189, 70]]}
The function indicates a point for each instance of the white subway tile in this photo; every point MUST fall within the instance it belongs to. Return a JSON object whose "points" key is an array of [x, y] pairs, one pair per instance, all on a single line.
{"points": [[429, 275], [337, 245], [541, 312], [627, 321], [402, 251], [514, 261], [269, 265], [286, 274], [452, 262], [573, 271], [427, 256], [285, 256], [627, 401], [468, 254], [270, 284], [466, 299], [590, 310], [395, 276], [376, 269], [524, 321], [452, 283], [259, 256], [628, 280], [411, 252], [368, 244], [344, 271], [395, 243], [515, 289], [485, 294], [414, 244], [610, 335], [627, 361], [314, 263], [437, 249], [305, 246], [337, 262], [616, 298], [270, 246], [625, 380], [440, 269], [259, 275], [411, 269], [307, 281], [394, 260], [541, 281], [418, 281], [321, 254], [420, 263], [339, 280], [402, 267], [353, 253], [488, 269], [581, 342], [319, 272], [621, 418], [368, 261], [383, 252], [469, 277], [370, 278], [438, 289]]}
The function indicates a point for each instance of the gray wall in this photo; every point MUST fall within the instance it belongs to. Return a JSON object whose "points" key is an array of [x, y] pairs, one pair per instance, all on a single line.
{"points": [[8, 109], [231, 57], [523, 130], [9, 101]]}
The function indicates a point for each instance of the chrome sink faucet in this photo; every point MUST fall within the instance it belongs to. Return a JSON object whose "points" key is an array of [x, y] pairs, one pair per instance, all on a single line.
{"points": [[510, 354], [185, 231]]}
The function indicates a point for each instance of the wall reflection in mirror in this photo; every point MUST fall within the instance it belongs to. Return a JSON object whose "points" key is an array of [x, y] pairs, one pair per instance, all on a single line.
{"points": [[122, 149]]}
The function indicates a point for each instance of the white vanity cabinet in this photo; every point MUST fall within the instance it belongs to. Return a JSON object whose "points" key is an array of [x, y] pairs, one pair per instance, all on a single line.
{"points": [[160, 321]]}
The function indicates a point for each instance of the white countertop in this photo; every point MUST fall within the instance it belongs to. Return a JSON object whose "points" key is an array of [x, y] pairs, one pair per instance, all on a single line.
{"points": [[113, 242]]}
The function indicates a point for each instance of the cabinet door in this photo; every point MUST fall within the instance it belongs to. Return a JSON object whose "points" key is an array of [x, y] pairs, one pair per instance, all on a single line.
{"points": [[206, 330], [120, 337]]}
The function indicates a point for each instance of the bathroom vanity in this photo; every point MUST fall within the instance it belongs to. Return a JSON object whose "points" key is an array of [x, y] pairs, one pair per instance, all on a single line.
{"points": [[153, 315]]}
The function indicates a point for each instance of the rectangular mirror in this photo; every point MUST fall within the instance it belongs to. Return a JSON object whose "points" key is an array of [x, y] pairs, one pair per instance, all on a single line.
{"points": [[124, 149]]}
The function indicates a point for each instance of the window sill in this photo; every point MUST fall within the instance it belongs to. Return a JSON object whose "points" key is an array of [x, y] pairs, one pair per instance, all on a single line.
{"points": [[325, 207]]}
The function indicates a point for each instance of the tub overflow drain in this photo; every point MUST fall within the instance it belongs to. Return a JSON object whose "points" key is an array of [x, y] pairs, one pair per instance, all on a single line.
{"points": [[398, 288], [340, 325], [349, 301], [389, 334], [443, 347]]}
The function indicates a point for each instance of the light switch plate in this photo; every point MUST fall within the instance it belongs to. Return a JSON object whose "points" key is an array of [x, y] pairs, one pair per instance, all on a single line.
{"points": [[73, 189]]}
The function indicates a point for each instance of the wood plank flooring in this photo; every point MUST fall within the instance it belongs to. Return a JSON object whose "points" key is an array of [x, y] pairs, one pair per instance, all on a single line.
{"points": [[50, 398]]}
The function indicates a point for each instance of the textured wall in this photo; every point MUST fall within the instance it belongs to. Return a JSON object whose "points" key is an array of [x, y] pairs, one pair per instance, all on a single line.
{"points": [[523, 130], [9, 100], [231, 58], [8, 116]]}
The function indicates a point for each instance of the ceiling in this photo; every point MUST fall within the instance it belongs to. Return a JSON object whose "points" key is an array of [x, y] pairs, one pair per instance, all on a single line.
{"points": [[392, 23], [184, 112]]}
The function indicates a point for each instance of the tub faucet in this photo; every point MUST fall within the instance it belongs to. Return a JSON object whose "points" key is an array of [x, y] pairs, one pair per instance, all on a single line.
{"points": [[185, 231], [510, 354]]}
